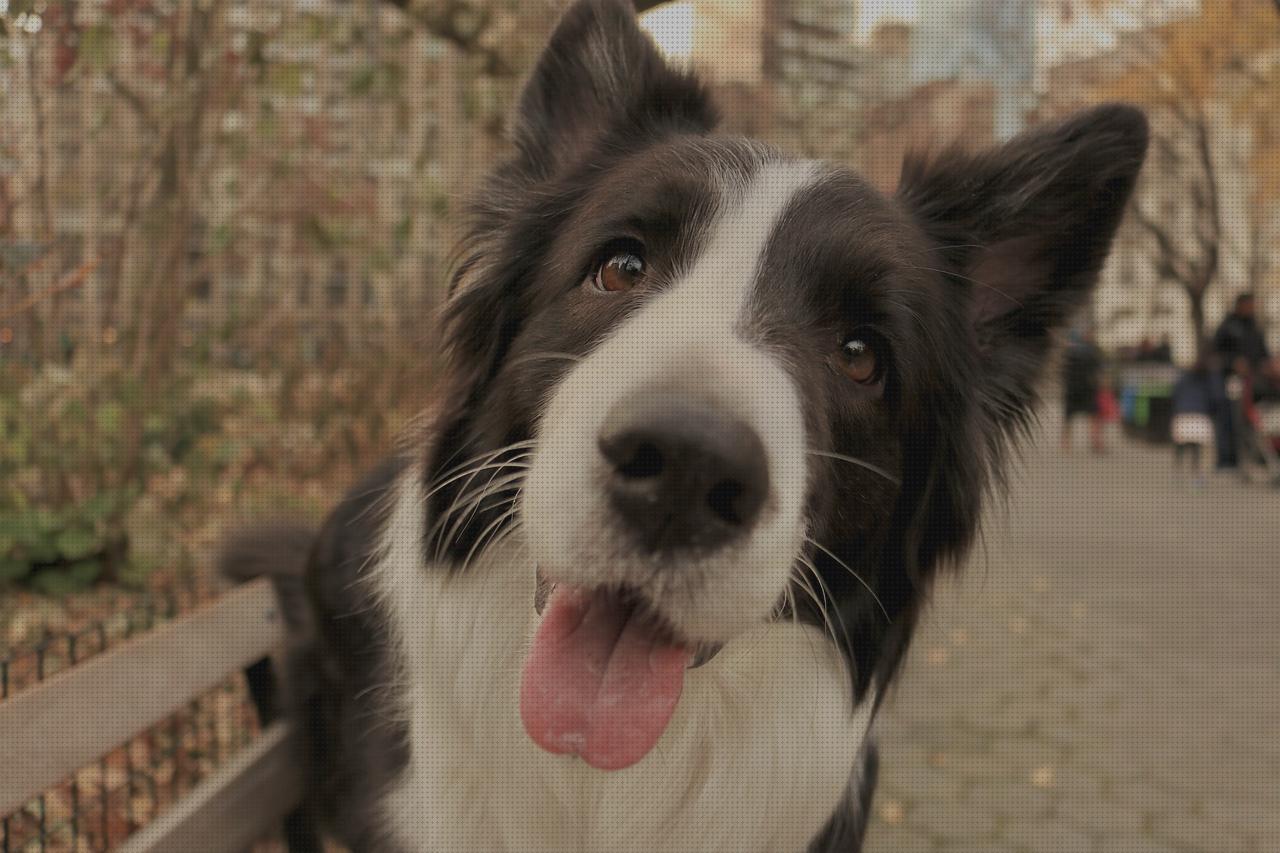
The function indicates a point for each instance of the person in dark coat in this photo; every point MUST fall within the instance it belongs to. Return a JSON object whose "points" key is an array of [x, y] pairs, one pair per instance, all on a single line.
{"points": [[1239, 340], [1241, 336], [1081, 382], [1163, 352]]}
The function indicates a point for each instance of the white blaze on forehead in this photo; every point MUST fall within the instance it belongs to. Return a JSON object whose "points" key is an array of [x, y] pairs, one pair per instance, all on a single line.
{"points": [[691, 340], [719, 283]]}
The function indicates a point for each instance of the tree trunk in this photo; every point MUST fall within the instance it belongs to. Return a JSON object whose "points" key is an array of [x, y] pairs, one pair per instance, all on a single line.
{"points": [[172, 213], [1196, 296]]}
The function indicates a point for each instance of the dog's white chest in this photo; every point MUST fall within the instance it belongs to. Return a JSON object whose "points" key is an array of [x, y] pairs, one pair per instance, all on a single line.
{"points": [[756, 758]]}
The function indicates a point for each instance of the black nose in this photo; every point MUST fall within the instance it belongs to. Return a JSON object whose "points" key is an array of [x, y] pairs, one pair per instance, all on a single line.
{"points": [[682, 475]]}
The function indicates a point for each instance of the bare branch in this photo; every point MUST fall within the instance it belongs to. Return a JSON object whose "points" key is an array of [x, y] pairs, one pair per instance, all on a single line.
{"points": [[1204, 149], [462, 24], [72, 280], [132, 98], [1173, 264], [42, 143]]}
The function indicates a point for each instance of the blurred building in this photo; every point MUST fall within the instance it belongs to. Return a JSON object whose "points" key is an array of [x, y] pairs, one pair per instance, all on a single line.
{"points": [[866, 81], [336, 135]]}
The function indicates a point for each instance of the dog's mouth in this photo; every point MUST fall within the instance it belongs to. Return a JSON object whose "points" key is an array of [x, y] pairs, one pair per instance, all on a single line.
{"points": [[703, 652], [604, 674]]}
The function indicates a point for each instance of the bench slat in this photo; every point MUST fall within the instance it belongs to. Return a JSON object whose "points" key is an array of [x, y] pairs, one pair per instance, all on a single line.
{"points": [[69, 721], [234, 807]]}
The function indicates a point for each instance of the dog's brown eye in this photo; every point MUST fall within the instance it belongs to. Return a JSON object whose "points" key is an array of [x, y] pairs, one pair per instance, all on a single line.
{"points": [[619, 273], [859, 362]]}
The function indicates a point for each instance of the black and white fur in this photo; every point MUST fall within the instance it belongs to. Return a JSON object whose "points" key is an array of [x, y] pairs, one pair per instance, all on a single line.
{"points": [[415, 609]]}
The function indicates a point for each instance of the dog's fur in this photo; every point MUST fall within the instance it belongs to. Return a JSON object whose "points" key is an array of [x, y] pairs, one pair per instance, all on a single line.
{"points": [[415, 609]]}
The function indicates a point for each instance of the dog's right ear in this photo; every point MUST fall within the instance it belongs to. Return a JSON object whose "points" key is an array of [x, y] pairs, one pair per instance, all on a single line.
{"points": [[602, 76]]}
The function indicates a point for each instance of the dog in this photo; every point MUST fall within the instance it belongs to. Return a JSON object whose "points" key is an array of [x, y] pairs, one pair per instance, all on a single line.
{"points": [[715, 416]]}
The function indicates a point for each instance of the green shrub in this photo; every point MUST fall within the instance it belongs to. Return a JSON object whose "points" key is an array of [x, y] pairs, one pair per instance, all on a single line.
{"points": [[61, 550], [104, 478], [76, 454]]}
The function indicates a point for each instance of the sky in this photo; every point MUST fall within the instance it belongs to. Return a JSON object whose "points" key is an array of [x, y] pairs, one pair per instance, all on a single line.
{"points": [[874, 12]]}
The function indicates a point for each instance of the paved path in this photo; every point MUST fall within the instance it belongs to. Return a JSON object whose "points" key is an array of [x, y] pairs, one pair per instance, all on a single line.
{"points": [[1105, 678]]}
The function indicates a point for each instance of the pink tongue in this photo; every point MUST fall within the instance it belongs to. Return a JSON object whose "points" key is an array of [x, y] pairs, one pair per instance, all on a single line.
{"points": [[599, 683]]}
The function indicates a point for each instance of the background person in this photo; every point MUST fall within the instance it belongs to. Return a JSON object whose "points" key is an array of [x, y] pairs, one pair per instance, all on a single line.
{"points": [[1250, 445], [1240, 336], [1082, 382], [1242, 348], [1197, 396]]}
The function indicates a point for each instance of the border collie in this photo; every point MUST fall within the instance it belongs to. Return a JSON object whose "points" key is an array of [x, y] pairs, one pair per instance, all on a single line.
{"points": [[715, 417]]}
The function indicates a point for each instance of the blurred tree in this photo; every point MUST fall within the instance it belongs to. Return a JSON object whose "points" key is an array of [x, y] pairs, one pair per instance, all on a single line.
{"points": [[490, 29], [1212, 82], [190, 66], [200, 149]]}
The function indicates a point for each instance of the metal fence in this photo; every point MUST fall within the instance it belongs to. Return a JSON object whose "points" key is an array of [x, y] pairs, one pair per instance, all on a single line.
{"points": [[102, 804]]}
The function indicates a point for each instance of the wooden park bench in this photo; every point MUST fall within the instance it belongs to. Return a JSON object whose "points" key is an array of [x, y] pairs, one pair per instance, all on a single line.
{"points": [[66, 722]]}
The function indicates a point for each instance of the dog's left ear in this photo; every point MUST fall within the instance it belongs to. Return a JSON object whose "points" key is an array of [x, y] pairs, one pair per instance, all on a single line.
{"points": [[601, 75], [1024, 228]]}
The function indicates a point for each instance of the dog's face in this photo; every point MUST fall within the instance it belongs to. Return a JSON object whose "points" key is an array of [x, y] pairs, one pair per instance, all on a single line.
{"points": [[732, 385], [732, 407]]}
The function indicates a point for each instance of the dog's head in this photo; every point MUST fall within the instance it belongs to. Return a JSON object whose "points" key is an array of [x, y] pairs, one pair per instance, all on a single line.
{"points": [[718, 384]]}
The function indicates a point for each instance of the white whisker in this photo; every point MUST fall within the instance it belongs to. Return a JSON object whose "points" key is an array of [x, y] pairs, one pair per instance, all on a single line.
{"points": [[491, 529], [547, 355], [527, 443], [815, 543], [861, 463], [823, 611], [826, 591], [515, 461], [464, 507]]}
